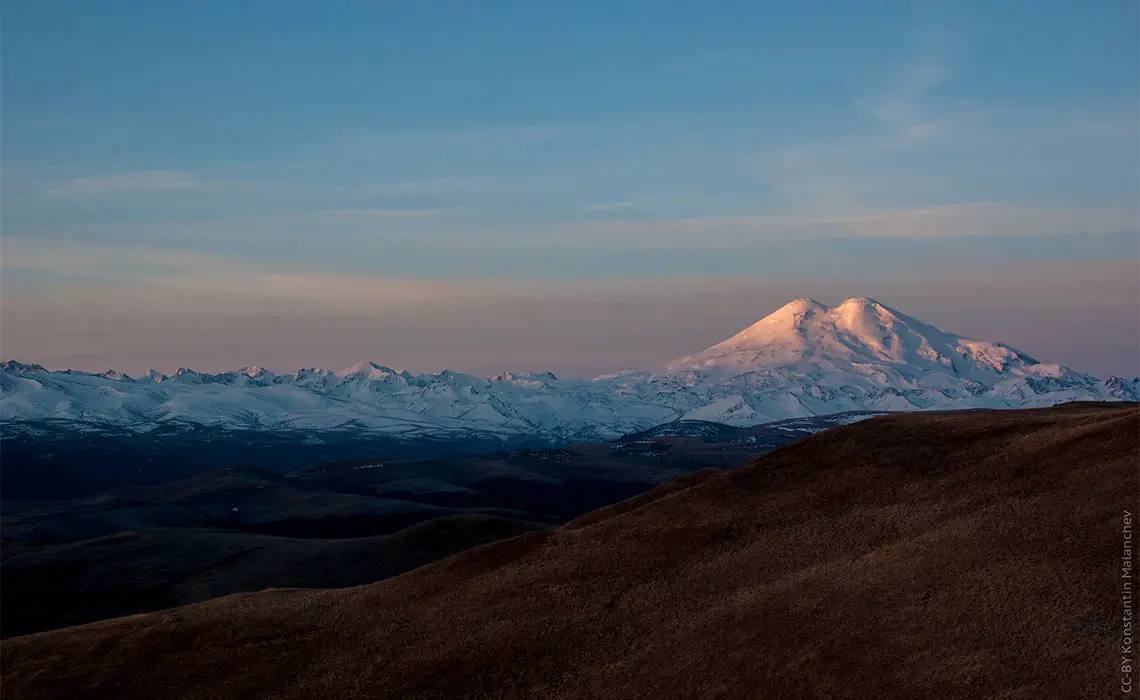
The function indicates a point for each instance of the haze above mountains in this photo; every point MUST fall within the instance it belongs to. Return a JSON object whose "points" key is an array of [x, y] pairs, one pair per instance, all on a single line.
{"points": [[803, 359]]}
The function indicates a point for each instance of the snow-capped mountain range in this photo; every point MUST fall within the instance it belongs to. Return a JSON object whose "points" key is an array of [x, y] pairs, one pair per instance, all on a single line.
{"points": [[804, 359]]}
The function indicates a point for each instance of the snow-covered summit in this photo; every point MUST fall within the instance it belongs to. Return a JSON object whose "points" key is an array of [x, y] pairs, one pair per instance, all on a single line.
{"points": [[255, 372], [806, 334], [369, 370], [15, 366], [804, 359]]}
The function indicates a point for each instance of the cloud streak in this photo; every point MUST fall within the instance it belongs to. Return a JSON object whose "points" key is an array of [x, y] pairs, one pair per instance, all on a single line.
{"points": [[139, 182], [962, 220]]}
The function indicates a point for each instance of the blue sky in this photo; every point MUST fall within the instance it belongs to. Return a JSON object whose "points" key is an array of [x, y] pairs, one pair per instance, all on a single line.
{"points": [[156, 153]]}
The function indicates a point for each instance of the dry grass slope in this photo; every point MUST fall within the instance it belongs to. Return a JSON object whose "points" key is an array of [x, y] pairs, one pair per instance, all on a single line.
{"points": [[967, 555]]}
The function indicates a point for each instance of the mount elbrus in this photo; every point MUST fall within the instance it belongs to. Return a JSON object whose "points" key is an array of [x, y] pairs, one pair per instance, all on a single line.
{"points": [[804, 359]]}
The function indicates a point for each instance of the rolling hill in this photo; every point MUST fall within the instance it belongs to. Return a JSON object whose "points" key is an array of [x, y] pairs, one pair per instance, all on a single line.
{"points": [[950, 555]]}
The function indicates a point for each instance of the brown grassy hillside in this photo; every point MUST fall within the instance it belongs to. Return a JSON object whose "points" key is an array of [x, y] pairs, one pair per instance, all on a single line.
{"points": [[963, 555]]}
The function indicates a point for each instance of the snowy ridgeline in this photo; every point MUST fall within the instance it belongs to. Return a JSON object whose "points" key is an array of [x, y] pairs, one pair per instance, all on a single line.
{"points": [[805, 359]]}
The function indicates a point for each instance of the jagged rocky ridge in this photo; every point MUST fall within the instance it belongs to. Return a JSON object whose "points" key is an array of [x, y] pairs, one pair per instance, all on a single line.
{"points": [[804, 359]]}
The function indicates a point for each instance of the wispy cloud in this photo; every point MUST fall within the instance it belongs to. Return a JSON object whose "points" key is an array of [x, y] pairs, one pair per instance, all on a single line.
{"points": [[169, 275], [126, 183], [984, 219], [901, 106], [960, 220], [1042, 154], [621, 205], [894, 148], [898, 96]]}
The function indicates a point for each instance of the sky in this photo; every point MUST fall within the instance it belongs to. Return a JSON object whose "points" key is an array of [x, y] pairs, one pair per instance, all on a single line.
{"points": [[576, 187]]}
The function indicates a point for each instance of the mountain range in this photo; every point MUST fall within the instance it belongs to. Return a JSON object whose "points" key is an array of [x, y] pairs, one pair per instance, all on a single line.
{"points": [[804, 359]]}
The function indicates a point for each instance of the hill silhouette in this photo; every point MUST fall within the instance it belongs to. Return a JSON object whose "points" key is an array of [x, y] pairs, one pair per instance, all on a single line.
{"points": [[952, 555], [53, 586]]}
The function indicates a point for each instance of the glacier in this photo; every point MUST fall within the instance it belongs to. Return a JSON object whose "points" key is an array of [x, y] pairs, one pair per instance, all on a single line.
{"points": [[805, 359]]}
